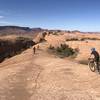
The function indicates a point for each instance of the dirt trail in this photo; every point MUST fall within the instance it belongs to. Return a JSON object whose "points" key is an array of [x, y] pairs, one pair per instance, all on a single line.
{"points": [[45, 77]]}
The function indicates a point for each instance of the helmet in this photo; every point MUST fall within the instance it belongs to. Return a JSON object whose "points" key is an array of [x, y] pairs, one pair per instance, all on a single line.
{"points": [[93, 49]]}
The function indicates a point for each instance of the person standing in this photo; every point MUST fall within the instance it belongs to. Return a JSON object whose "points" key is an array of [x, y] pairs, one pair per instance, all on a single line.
{"points": [[38, 46], [34, 50]]}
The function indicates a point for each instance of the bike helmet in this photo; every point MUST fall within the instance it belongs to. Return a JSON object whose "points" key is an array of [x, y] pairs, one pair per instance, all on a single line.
{"points": [[93, 49]]}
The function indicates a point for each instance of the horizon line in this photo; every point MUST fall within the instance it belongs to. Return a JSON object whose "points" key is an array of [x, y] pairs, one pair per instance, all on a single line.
{"points": [[49, 28]]}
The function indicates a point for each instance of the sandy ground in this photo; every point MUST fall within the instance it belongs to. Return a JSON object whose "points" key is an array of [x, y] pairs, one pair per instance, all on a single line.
{"points": [[84, 48], [46, 77]]}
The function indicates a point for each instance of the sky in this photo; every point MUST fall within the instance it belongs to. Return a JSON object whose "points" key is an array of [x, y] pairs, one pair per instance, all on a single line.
{"points": [[82, 15]]}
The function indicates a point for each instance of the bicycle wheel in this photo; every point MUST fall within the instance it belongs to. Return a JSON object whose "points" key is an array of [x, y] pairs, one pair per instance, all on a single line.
{"points": [[92, 66]]}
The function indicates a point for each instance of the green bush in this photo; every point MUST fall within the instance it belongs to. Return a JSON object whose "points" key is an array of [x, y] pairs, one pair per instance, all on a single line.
{"points": [[63, 51]]}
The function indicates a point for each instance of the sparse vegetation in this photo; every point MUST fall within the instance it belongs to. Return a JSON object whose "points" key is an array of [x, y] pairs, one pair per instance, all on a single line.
{"points": [[76, 50], [83, 39], [62, 51], [55, 33], [72, 39], [51, 47]]}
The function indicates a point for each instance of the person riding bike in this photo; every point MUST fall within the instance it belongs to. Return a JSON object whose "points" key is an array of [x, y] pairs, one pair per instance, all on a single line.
{"points": [[95, 55]]}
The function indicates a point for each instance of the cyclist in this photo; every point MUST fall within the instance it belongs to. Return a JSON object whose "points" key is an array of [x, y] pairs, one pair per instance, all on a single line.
{"points": [[95, 55]]}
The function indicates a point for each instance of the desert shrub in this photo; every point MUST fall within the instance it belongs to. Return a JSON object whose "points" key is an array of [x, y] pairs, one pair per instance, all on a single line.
{"points": [[89, 39], [72, 39], [82, 39], [51, 47], [23, 39], [44, 34], [55, 33], [42, 40], [93, 39], [76, 52], [63, 51], [64, 46]]}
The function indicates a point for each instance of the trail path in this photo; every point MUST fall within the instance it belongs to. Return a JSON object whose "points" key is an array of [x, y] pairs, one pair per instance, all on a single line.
{"points": [[45, 77]]}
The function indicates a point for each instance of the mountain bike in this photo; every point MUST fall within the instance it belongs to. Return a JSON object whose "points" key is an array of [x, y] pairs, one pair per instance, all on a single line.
{"points": [[92, 64]]}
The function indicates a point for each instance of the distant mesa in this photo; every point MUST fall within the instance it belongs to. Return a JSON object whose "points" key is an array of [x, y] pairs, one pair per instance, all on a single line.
{"points": [[16, 30]]}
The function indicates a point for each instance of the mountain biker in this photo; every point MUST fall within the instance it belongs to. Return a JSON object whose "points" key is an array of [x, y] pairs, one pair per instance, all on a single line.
{"points": [[95, 55]]}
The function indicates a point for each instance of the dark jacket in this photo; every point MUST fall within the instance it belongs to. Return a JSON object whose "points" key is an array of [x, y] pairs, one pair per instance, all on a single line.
{"points": [[96, 55]]}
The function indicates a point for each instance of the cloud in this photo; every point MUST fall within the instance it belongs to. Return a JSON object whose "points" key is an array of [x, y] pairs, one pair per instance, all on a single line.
{"points": [[5, 23], [1, 17]]}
